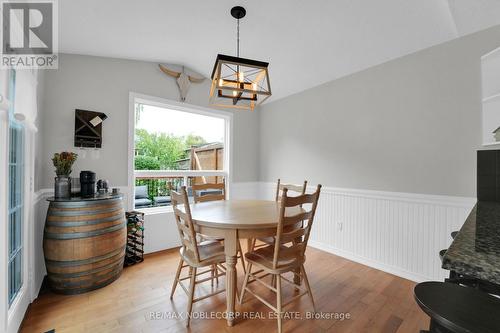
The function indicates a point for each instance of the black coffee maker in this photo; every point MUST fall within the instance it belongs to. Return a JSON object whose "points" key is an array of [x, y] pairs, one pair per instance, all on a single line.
{"points": [[87, 184]]}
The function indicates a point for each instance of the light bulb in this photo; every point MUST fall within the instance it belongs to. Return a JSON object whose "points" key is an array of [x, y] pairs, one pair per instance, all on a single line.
{"points": [[241, 76], [235, 93], [221, 82]]}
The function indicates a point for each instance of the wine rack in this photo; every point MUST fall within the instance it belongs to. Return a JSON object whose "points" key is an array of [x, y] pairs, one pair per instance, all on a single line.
{"points": [[135, 238]]}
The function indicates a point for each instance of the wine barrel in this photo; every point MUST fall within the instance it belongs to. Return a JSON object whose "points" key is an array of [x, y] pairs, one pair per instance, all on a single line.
{"points": [[84, 243]]}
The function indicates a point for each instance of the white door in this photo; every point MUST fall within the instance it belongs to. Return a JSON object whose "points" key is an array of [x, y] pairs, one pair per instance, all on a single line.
{"points": [[17, 277]]}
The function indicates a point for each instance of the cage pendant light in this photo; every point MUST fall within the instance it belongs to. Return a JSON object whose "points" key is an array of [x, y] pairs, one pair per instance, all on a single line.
{"points": [[238, 82]]}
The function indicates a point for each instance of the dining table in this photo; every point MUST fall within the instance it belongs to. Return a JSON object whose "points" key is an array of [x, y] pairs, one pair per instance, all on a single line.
{"points": [[233, 220]]}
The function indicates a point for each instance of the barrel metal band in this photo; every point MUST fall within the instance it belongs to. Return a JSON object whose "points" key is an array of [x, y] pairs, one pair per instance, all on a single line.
{"points": [[118, 262], [80, 213], [84, 290], [77, 204], [76, 235], [60, 263], [90, 279], [84, 223]]}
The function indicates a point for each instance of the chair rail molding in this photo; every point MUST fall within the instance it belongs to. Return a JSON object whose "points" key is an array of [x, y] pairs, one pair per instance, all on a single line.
{"points": [[399, 233]]}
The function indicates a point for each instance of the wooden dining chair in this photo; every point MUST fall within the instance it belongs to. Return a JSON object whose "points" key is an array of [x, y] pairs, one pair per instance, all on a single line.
{"points": [[193, 254], [299, 189], [286, 255], [209, 192], [214, 192]]}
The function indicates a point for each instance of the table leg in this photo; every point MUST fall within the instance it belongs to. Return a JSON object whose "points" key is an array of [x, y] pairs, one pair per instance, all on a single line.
{"points": [[230, 249], [249, 244]]}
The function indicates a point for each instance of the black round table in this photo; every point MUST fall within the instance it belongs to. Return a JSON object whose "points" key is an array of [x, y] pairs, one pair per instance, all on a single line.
{"points": [[458, 309]]}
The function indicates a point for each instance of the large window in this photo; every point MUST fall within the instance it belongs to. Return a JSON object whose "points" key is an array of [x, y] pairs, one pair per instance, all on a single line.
{"points": [[16, 198], [174, 147]]}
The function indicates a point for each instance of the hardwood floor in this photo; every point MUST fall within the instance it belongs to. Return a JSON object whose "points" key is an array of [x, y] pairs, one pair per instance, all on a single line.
{"points": [[139, 302]]}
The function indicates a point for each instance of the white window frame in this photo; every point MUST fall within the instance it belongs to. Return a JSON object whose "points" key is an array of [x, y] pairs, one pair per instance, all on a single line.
{"points": [[4, 234], [184, 107]]}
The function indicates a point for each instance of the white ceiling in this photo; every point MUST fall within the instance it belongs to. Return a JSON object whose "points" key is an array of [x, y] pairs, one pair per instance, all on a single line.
{"points": [[306, 42]]}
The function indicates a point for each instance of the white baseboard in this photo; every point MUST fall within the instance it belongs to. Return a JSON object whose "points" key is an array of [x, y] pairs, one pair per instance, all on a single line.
{"points": [[369, 262]]}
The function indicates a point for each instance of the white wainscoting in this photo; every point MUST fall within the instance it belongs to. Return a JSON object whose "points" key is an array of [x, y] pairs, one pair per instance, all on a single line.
{"points": [[38, 271], [160, 231], [400, 233], [245, 190]]}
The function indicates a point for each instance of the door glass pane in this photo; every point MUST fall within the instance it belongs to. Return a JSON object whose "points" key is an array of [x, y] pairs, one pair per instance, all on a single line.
{"points": [[12, 172], [18, 272], [18, 231], [12, 221]]}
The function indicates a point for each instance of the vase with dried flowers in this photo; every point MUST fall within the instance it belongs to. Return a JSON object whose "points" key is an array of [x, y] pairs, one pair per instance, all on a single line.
{"points": [[63, 163]]}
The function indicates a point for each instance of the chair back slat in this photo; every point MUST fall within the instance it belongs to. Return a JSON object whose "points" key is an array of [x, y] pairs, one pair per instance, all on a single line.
{"points": [[300, 189], [288, 237], [300, 200], [292, 252], [184, 222], [188, 245], [210, 197], [294, 230], [183, 216], [197, 188], [209, 186], [295, 219], [184, 228]]}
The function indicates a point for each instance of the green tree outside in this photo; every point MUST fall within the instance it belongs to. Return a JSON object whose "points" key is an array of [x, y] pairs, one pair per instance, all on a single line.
{"points": [[143, 162], [165, 148]]}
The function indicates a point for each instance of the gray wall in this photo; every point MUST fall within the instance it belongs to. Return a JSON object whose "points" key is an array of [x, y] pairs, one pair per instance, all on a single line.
{"points": [[409, 125], [103, 84]]}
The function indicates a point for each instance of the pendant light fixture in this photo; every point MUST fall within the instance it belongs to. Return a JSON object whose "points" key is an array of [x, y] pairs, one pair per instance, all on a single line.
{"points": [[238, 82]]}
